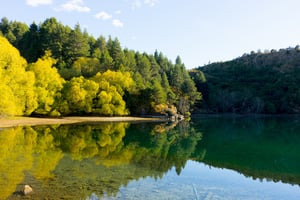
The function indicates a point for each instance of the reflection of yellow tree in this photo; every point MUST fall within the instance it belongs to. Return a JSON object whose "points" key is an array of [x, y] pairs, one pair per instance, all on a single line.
{"points": [[23, 149], [111, 136], [100, 141], [38, 151], [120, 157], [16, 156], [47, 155]]}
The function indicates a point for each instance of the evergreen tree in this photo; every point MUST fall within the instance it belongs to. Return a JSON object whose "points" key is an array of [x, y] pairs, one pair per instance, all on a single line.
{"points": [[30, 44], [101, 44], [13, 31], [171, 97], [86, 67], [144, 67], [54, 37], [76, 46], [176, 75], [129, 61], [106, 61], [115, 50], [159, 94]]}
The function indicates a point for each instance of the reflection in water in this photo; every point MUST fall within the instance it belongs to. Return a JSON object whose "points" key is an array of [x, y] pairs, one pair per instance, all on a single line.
{"points": [[14, 160], [259, 148], [75, 161], [95, 161]]}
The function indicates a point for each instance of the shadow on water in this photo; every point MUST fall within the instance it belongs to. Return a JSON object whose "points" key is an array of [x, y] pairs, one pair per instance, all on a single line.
{"points": [[95, 161]]}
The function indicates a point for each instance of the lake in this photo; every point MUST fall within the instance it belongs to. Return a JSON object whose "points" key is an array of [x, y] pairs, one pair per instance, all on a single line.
{"points": [[205, 158]]}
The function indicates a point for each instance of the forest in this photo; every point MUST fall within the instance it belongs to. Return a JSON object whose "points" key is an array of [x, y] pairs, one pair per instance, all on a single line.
{"points": [[256, 83], [50, 69]]}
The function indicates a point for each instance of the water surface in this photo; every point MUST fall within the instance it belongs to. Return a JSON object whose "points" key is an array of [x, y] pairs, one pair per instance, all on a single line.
{"points": [[218, 158]]}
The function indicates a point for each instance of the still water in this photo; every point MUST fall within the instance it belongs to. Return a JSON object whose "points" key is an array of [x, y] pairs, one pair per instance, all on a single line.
{"points": [[217, 158]]}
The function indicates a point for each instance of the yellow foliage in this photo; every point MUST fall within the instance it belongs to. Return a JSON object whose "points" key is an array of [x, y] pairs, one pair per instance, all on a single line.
{"points": [[16, 82], [121, 80], [78, 96], [104, 98], [10, 57], [7, 100], [101, 94], [48, 83]]}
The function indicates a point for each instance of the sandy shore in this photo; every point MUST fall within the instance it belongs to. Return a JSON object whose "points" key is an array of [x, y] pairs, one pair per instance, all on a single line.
{"points": [[31, 121]]}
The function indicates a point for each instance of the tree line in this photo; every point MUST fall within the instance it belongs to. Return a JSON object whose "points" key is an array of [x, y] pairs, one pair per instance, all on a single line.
{"points": [[54, 70]]}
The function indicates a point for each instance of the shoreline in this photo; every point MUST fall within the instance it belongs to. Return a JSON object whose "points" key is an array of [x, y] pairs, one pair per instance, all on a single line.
{"points": [[237, 115], [7, 122]]}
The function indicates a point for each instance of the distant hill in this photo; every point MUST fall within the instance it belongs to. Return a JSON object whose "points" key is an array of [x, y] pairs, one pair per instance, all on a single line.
{"points": [[258, 82]]}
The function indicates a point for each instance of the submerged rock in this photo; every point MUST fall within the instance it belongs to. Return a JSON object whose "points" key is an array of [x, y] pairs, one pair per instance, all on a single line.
{"points": [[27, 189]]}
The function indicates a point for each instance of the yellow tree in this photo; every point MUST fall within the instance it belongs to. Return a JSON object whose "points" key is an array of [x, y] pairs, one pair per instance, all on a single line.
{"points": [[77, 96], [112, 85], [17, 85], [121, 80], [48, 83], [102, 94]]}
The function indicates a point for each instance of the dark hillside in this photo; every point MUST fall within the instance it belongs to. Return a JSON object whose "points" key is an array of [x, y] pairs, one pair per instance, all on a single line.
{"points": [[254, 83]]}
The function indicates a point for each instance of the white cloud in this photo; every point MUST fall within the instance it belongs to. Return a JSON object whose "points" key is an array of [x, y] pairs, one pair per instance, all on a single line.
{"points": [[140, 3], [38, 2], [106, 16], [74, 5], [151, 2], [103, 15], [117, 23]]}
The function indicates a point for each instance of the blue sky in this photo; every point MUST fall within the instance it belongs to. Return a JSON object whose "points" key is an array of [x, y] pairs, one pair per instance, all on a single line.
{"points": [[199, 31]]}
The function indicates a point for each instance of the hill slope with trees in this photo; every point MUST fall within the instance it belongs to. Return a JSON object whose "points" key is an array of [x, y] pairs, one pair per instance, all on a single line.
{"points": [[259, 82], [52, 69]]}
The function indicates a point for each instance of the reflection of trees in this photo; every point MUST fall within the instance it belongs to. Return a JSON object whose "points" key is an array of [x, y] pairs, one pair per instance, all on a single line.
{"points": [[103, 157], [16, 156], [86, 141], [23, 150], [163, 149], [142, 152], [47, 154], [259, 148]]}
